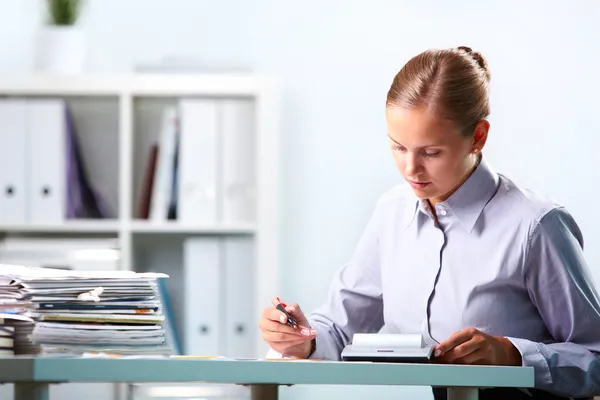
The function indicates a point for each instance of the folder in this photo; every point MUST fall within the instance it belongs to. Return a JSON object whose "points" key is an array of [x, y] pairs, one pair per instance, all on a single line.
{"points": [[197, 196], [238, 161], [47, 161], [203, 296], [13, 161], [82, 199], [240, 324]]}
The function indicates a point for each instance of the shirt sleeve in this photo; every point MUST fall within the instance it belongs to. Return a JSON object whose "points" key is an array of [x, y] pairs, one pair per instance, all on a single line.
{"points": [[354, 303], [559, 284]]}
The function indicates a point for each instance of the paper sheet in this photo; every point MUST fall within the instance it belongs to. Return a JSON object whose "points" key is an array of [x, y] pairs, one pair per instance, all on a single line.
{"points": [[25, 273], [387, 340]]}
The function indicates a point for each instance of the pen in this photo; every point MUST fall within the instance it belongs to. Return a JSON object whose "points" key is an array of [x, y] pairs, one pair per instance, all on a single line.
{"points": [[291, 321]]}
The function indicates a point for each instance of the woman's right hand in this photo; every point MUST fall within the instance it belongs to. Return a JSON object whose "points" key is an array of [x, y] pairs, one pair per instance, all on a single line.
{"points": [[283, 338]]}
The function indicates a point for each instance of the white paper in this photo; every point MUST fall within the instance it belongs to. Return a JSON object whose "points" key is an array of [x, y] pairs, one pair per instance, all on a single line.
{"points": [[387, 341], [19, 317], [25, 273]]}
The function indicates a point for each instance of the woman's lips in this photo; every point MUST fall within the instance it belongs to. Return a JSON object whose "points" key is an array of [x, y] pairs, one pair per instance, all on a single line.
{"points": [[418, 185]]}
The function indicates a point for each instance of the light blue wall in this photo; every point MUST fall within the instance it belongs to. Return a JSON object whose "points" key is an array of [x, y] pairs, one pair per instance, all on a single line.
{"points": [[336, 60]]}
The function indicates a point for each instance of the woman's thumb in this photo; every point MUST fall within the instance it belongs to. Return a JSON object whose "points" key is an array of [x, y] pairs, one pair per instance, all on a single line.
{"points": [[296, 312]]}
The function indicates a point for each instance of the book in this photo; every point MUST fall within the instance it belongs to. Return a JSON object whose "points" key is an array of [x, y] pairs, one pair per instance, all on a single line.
{"points": [[148, 183]]}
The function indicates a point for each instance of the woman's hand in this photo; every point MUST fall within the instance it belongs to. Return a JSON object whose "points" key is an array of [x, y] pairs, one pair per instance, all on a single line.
{"points": [[282, 337], [471, 346]]}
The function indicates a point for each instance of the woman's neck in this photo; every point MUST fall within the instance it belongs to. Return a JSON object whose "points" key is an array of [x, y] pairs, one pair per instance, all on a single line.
{"points": [[434, 200]]}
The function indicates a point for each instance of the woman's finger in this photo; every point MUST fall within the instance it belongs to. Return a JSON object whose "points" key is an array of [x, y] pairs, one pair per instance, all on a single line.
{"points": [[274, 314], [454, 340], [284, 338], [462, 350], [276, 326], [477, 357], [273, 326]]}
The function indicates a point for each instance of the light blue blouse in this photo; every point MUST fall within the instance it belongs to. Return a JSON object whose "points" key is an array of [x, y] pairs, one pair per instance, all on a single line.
{"points": [[503, 260]]}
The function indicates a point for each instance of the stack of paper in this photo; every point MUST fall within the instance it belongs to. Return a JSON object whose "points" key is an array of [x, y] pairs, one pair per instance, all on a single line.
{"points": [[76, 312], [12, 310], [7, 336]]}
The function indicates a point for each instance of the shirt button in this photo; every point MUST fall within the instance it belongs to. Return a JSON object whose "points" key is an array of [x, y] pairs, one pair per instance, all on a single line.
{"points": [[443, 212]]}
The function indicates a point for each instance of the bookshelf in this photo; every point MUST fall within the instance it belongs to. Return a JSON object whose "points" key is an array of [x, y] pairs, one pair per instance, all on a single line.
{"points": [[78, 227], [112, 112]]}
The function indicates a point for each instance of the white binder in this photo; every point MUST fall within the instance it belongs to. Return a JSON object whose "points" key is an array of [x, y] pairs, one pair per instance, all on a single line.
{"points": [[13, 161], [47, 149], [240, 325], [238, 163], [197, 200], [202, 286]]}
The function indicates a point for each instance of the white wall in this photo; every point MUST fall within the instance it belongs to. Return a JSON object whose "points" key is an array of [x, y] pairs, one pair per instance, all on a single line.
{"points": [[336, 60]]}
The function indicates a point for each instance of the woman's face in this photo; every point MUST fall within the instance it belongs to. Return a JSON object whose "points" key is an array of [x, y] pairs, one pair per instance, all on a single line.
{"points": [[432, 155]]}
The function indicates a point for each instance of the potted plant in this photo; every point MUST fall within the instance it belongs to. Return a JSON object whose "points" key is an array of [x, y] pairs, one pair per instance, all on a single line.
{"points": [[61, 43]]}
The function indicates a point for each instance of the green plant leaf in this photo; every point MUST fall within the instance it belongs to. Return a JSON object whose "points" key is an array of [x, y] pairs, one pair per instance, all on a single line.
{"points": [[64, 12]]}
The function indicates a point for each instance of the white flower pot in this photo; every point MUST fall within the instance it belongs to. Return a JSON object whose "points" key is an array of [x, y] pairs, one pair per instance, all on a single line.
{"points": [[60, 49]]}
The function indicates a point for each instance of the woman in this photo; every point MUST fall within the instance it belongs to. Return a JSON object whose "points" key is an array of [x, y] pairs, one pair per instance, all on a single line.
{"points": [[487, 272]]}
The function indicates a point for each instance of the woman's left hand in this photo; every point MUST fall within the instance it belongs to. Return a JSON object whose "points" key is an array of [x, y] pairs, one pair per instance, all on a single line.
{"points": [[471, 346]]}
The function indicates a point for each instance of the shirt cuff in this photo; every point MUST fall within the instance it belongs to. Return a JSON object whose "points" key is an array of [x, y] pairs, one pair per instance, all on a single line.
{"points": [[325, 348], [321, 347], [532, 356]]}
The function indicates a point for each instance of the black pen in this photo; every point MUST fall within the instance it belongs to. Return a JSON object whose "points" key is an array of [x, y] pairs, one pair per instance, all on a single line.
{"points": [[291, 321]]}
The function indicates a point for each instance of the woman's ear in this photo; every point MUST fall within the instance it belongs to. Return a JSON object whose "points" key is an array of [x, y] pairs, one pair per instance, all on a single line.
{"points": [[480, 136]]}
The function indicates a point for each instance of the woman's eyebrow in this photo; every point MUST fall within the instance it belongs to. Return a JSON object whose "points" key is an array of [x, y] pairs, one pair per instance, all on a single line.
{"points": [[421, 147], [392, 139]]}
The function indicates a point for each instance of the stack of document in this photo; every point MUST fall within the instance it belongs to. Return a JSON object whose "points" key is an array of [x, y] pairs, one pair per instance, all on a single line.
{"points": [[77, 312], [12, 310], [10, 297], [7, 336]]}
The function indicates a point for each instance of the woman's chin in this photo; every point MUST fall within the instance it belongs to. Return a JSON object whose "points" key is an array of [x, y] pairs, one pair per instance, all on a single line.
{"points": [[423, 193]]}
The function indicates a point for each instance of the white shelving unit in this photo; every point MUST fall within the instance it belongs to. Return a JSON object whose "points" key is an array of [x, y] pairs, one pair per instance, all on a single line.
{"points": [[112, 101]]}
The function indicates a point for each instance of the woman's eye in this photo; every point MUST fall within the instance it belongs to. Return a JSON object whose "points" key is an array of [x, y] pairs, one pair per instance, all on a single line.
{"points": [[430, 154]]}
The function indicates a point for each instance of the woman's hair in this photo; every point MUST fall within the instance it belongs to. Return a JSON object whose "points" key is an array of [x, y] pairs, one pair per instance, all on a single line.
{"points": [[451, 83]]}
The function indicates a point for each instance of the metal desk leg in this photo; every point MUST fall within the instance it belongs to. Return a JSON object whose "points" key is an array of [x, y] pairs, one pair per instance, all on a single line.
{"points": [[32, 391], [463, 393], [264, 392]]}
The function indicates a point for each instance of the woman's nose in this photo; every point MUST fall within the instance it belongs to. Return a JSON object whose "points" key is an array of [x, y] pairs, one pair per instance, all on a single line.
{"points": [[412, 164]]}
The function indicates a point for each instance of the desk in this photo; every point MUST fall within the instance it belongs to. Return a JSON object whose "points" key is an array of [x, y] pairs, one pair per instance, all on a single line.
{"points": [[33, 375]]}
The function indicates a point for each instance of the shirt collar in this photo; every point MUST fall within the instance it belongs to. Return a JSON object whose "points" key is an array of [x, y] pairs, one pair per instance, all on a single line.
{"points": [[468, 201]]}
